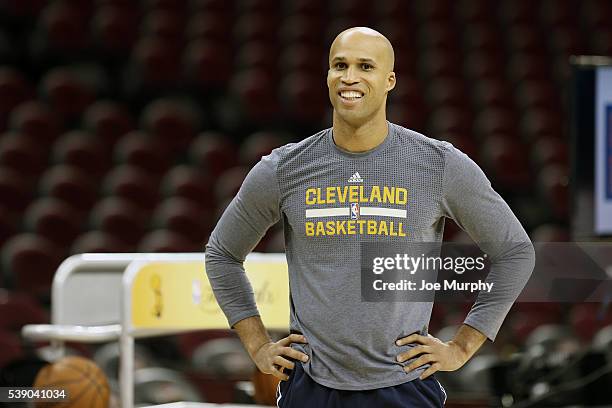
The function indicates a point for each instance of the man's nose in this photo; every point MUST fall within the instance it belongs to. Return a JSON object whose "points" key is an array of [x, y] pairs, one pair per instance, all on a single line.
{"points": [[349, 76]]}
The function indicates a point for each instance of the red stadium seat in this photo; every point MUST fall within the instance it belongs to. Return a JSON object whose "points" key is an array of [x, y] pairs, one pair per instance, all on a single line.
{"points": [[256, 27], [63, 28], [303, 57], [120, 218], [446, 91], [538, 123], [462, 142], [53, 219], [434, 11], [568, 41], [139, 150], [35, 120], [482, 37], [474, 11], [164, 24], [257, 145], [154, 66], [31, 261], [178, 6], [393, 9], [550, 233], [352, 9], [15, 192], [492, 93], [132, 184], [185, 218], [256, 6], [558, 14], [211, 6], [307, 7], [451, 120], [257, 55], [22, 154], [71, 185], [115, 29], [525, 67], [256, 92], [208, 26], [509, 167], [18, 309], [525, 39], [98, 241], [518, 12], [189, 342], [550, 150], [67, 93], [21, 9], [207, 64], [213, 152], [553, 186], [14, 89], [189, 183], [305, 98], [437, 36], [168, 241], [229, 183], [170, 122], [408, 90], [493, 121], [8, 227], [10, 347], [302, 29], [410, 115], [108, 122], [481, 65], [438, 63], [80, 149], [536, 95], [588, 318]]}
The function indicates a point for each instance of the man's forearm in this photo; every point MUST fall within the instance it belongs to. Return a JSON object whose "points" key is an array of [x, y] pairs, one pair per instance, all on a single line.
{"points": [[469, 340], [252, 333]]}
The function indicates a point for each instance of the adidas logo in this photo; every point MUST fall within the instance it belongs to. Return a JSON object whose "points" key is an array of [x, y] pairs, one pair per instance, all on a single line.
{"points": [[355, 178]]}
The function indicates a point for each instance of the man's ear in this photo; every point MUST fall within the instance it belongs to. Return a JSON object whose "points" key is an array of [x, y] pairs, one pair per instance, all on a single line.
{"points": [[390, 81]]}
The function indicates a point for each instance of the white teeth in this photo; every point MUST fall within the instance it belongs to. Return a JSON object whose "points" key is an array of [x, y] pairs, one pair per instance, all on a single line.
{"points": [[351, 94]]}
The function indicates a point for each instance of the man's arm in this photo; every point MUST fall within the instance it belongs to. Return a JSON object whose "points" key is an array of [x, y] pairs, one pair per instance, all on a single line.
{"points": [[469, 199], [265, 353], [479, 210], [442, 356], [247, 218]]}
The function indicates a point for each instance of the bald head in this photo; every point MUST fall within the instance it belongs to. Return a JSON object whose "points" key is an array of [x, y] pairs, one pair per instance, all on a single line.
{"points": [[368, 39]]}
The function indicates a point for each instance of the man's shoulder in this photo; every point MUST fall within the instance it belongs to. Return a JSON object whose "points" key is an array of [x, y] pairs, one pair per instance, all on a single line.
{"points": [[414, 139], [406, 135], [294, 148]]}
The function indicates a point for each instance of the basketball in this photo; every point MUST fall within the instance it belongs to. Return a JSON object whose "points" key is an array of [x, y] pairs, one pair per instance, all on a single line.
{"points": [[82, 379]]}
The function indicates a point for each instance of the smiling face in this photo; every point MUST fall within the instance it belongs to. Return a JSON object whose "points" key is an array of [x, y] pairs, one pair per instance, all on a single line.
{"points": [[360, 75]]}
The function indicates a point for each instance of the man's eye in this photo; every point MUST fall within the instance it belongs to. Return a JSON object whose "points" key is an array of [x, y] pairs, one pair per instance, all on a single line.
{"points": [[366, 66], [340, 65]]}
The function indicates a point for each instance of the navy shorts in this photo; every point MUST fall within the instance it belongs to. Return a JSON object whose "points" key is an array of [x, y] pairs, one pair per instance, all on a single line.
{"points": [[301, 391]]}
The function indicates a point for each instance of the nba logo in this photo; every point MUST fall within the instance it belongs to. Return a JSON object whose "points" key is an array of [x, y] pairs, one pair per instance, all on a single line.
{"points": [[354, 211]]}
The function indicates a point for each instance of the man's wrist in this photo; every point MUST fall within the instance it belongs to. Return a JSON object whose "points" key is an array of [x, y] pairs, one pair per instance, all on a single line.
{"points": [[467, 341], [262, 345]]}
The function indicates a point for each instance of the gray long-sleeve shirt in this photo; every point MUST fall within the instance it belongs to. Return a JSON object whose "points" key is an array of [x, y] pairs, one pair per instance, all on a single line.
{"points": [[409, 183]]}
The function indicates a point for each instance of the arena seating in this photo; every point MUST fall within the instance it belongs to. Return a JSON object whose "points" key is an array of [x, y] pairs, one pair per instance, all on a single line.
{"points": [[129, 126]]}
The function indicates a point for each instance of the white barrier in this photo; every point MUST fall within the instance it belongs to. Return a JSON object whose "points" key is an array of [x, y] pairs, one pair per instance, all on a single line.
{"points": [[104, 297]]}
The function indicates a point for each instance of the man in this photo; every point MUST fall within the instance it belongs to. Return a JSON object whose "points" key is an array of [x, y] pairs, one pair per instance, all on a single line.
{"points": [[344, 352]]}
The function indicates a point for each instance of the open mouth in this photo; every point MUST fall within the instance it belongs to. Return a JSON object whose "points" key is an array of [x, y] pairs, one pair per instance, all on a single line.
{"points": [[351, 95]]}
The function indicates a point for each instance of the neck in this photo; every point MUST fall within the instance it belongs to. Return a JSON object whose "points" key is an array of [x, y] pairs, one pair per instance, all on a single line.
{"points": [[362, 137]]}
